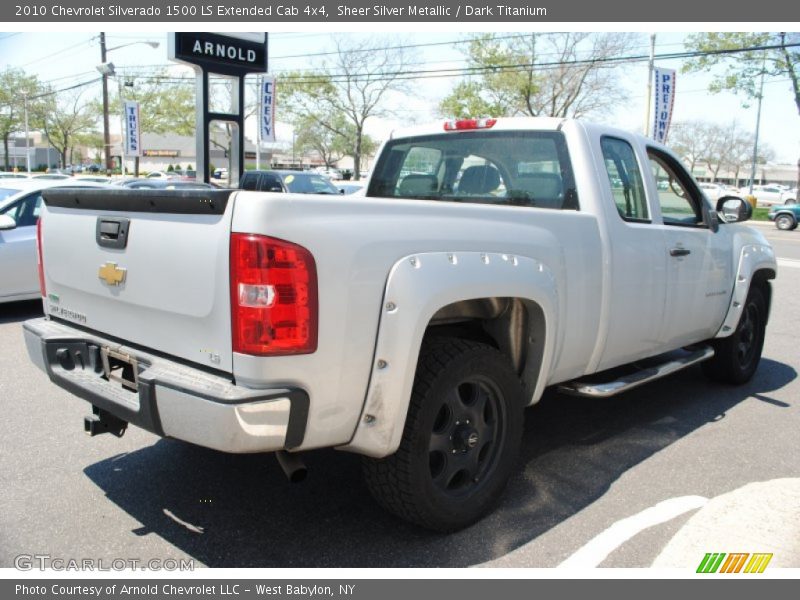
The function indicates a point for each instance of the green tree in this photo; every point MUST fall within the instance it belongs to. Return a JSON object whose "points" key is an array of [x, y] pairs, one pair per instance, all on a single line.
{"points": [[15, 84], [540, 74], [329, 143], [341, 94], [741, 72], [65, 118]]}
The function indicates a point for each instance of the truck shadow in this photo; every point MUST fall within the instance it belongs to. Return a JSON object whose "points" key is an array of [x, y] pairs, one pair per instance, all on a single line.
{"points": [[239, 511], [16, 312]]}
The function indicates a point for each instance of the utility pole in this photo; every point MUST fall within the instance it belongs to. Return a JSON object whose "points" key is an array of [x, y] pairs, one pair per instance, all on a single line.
{"points": [[123, 125], [649, 97], [258, 121], [106, 137], [27, 141], [758, 125]]}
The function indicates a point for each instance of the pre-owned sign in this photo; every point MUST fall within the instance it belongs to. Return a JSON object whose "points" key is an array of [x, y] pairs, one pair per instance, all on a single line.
{"points": [[224, 54]]}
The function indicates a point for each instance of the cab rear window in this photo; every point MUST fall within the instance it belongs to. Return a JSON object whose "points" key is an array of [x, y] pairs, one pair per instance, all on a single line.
{"points": [[514, 168]]}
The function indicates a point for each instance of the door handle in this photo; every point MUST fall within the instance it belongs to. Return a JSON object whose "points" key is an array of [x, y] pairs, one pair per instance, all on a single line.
{"points": [[679, 251]]}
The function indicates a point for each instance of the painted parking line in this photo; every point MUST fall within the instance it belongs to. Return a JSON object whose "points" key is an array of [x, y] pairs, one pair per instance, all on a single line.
{"points": [[597, 550]]}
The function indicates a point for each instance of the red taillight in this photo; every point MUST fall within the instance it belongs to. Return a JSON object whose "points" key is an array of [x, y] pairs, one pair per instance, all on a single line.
{"points": [[39, 259], [461, 124], [273, 296]]}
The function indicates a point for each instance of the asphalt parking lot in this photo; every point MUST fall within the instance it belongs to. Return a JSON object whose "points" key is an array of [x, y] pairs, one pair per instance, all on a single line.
{"points": [[589, 473]]}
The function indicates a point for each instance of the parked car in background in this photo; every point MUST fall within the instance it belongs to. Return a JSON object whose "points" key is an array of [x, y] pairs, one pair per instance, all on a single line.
{"points": [[158, 175], [329, 172], [351, 188], [294, 182], [164, 184], [4, 175], [185, 175], [715, 191], [20, 204], [52, 175], [769, 195], [785, 216], [95, 179]]}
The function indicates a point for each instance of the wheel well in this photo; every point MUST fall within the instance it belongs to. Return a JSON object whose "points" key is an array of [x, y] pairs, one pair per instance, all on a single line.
{"points": [[761, 280], [515, 326]]}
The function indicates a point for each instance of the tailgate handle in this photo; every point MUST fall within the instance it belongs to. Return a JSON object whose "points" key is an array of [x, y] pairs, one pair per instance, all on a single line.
{"points": [[112, 232]]}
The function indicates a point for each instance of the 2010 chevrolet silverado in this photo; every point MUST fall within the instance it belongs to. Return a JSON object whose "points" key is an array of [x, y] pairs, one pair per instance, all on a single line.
{"points": [[489, 260]]}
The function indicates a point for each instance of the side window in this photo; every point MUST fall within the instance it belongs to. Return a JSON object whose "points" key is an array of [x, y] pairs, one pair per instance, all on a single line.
{"points": [[270, 183], [249, 181], [678, 207], [625, 179]]}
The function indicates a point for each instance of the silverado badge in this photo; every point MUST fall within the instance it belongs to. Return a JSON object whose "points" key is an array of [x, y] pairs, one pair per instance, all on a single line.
{"points": [[112, 274]]}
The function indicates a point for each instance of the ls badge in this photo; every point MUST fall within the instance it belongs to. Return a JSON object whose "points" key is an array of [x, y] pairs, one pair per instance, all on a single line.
{"points": [[112, 274]]}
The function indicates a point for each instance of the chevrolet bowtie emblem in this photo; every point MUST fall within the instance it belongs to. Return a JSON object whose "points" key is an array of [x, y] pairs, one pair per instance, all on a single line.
{"points": [[112, 274]]}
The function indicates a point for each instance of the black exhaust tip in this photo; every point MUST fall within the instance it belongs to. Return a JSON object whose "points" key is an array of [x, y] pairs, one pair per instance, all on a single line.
{"points": [[292, 465]]}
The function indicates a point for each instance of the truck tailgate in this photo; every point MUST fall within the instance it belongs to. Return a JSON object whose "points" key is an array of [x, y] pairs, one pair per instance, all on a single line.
{"points": [[146, 266]]}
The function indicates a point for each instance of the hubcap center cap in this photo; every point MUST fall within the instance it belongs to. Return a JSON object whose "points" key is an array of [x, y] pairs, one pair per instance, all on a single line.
{"points": [[465, 438]]}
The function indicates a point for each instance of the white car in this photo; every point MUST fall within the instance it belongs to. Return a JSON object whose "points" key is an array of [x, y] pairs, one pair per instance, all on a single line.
{"points": [[20, 203], [770, 195], [715, 191], [159, 175]]}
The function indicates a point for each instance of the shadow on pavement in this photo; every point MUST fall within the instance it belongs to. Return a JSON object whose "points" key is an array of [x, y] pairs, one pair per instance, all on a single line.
{"points": [[239, 511], [15, 312]]}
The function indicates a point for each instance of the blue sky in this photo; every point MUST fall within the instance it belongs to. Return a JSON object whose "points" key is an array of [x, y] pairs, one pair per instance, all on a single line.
{"points": [[65, 58]]}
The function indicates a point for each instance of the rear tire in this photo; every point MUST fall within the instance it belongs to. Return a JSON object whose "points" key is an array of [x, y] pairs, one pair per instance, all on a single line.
{"points": [[461, 439], [785, 222], [736, 357]]}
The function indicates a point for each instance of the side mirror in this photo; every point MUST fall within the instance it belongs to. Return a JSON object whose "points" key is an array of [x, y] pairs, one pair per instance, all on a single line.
{"points": [[732, 209], [7, 223]]}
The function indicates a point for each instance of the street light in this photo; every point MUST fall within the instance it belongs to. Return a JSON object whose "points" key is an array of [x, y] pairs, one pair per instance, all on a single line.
{"points": [[106, 69]]}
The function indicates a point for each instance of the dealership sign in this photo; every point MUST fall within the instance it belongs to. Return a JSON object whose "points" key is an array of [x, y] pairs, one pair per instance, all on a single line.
{"points": [[133, 138], [664, 90], [267, 113], [234, 54]]}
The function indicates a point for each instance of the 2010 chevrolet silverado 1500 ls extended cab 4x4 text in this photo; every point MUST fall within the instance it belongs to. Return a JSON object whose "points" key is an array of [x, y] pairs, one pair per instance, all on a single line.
{"points": [[490, 259]]}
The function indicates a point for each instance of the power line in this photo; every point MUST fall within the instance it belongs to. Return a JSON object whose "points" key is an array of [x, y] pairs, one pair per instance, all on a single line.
{"points": [[458, 72], [400, 75], [66, 89], [60, 53], [423, 74]]}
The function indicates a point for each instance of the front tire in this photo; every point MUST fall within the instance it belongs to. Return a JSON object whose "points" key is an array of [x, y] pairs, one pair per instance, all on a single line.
{"points": [[785, 222], [461, 439], [736, 357]]}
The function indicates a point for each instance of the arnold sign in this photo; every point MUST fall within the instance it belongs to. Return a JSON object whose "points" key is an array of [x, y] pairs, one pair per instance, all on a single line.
{"points": [[233, 54]]}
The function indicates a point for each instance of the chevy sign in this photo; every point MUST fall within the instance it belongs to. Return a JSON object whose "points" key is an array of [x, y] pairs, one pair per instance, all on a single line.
{"points": [[232, 54]]}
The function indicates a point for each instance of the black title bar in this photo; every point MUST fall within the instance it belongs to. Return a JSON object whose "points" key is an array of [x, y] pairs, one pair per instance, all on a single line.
{"points": [[412, 11]]}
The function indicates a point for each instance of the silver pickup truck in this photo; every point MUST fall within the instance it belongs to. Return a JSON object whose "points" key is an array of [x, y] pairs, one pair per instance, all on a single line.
{"points": [[489, 260]]}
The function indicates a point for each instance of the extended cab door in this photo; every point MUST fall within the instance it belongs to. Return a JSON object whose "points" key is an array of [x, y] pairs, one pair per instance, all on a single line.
{"points": [[700, 268], [636, 257]]}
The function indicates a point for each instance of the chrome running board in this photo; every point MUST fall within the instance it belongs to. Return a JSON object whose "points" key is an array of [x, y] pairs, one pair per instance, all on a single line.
{"points": [[628, 382]]}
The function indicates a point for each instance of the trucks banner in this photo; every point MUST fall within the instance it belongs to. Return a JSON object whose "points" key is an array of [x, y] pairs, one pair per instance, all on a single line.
{"points": [[133, 142]]}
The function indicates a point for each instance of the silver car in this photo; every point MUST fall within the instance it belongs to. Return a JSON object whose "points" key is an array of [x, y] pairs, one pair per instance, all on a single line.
{"points": [[20, 203]]}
